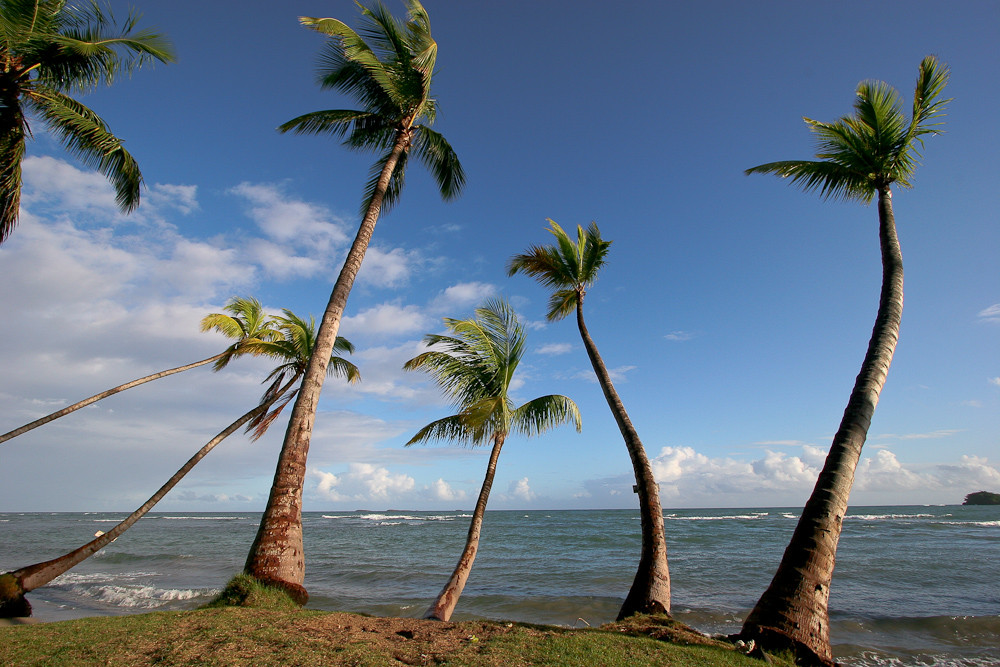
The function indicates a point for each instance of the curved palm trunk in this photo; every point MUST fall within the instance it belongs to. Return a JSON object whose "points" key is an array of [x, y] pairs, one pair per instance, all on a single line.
{"points": [[444, 605], [276, 556], [650, 592], [104, 394], [792, 613], [13, 585]]}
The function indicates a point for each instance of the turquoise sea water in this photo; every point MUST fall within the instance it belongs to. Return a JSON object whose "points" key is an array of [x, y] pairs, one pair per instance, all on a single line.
{"points": [[913, 585]]}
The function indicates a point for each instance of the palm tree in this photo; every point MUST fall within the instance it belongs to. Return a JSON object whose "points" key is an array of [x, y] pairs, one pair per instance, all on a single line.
{"points": [[49, 48], [569, 269], [860, 156], [292, 349], [475, 366], [391, 76], [244, 321]]}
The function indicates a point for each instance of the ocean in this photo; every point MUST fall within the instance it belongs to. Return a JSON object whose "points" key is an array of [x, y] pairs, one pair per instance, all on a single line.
{"points": [[913, 585]]}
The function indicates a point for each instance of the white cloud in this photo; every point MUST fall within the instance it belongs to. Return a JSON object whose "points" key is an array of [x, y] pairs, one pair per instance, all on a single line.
{"points": [[288, 220], [931, 435], [49, 180], [995, 381], [991, 314], [555, 348], [363, 482], [441, 490], [183, 198], [387, 319], [679, 335], [616, 374], [383, 268], [462, 296], [521, 490]]}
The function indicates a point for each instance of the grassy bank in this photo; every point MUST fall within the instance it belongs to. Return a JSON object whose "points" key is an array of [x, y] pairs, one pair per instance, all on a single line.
{"points": [[244, 636]]}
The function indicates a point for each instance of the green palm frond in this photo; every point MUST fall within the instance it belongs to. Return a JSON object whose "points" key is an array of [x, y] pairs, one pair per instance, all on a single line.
{"points": [[544, 413], [248, 324], [474, 366], [568, 267], [440, 158], [391, 195], [830, 179], [11, 153], [562, 303], [387, 66], [875, 146], [51, 47], [83, 133]]}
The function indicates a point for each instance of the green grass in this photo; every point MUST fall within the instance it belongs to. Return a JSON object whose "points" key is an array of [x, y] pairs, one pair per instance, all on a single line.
{"points": [[231, 636]]}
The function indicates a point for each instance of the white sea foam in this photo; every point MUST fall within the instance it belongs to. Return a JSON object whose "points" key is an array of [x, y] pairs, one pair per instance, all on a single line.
{"points": [[143, 597], [728, 517], [887, 517], [200, 518], [70, 578]]}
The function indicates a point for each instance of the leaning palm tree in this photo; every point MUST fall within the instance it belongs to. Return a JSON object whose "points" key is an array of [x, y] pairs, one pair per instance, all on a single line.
{"points": [[475, 366], [49, 48], [860, 157], [569, 269], [244, 321], [390, 74], [292, 349]]}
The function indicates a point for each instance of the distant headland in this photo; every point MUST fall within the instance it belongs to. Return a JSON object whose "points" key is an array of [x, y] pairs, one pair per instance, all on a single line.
{"points": [[982, 498]]}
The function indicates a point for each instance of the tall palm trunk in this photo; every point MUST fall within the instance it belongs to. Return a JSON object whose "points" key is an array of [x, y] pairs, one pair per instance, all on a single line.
{"points": [[276, 556], [104, 394], [793, 612], [444, 605], [13, 585], [650, 592]]}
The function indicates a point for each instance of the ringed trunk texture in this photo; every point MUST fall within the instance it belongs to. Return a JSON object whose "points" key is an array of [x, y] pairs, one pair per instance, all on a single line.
{"points": [[276, 557], [792, 613], [104, 394], [444, 605], [13, 585], [650, 592]]}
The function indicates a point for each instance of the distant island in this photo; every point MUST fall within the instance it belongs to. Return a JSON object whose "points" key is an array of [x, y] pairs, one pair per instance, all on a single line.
{"points": [[982, 498]]}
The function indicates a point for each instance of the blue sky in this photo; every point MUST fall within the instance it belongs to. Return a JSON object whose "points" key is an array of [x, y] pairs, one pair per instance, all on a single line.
{"points": [[734, 310]]}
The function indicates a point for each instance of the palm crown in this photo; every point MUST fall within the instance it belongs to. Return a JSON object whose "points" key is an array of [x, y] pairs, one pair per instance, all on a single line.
{"points": [[388, 69], [49, 48], [475, 367], [286, 338], [567, 266], [875, 146]]}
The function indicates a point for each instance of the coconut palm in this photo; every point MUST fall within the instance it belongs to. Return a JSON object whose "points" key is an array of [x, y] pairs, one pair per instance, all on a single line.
{"points": [[390, 74], [475, 366], [244, 321], [292, 349], [49, 48], [860, 157], [569, 268]]}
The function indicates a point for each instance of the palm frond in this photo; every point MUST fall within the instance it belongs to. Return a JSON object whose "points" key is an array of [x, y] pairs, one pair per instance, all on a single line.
{"points": [[12, 139], [874, 147], [354, 49], [830, 179], [396, 182], [440, 158], [562, 303], [83, 133], [544, 413], [475, 367], [447, 428]]}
